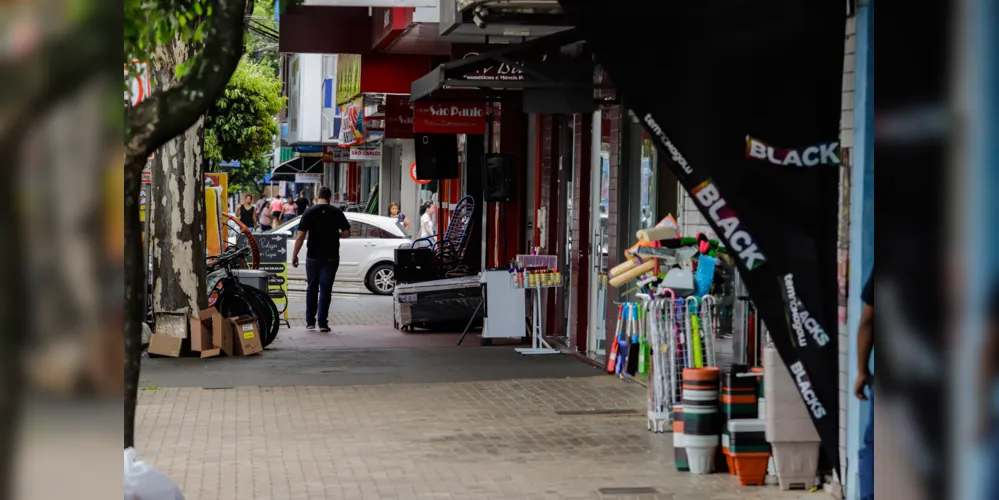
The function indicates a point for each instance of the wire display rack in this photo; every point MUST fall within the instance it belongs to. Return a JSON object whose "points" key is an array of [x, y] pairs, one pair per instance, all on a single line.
{"points": [[682, 335]]}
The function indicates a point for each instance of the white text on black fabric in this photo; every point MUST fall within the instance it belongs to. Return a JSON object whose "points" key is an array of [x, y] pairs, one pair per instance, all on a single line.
{"points": [[825, 154], [738, 238]]}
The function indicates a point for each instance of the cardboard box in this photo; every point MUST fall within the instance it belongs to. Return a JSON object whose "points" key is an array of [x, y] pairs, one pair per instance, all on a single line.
{"points": [[170, 337], [211, 334], [245, 336]]}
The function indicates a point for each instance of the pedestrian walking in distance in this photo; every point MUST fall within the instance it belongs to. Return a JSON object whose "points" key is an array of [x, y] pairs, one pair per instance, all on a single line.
{"points": [[324, 225], [247, 213]]}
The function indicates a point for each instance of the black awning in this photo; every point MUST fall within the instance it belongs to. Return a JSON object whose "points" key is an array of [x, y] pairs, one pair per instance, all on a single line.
{"points": [[540, 63], [297, 165]]}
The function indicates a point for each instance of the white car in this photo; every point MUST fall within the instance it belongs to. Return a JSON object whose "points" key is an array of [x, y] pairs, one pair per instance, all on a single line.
{"points": [[368, 256]]}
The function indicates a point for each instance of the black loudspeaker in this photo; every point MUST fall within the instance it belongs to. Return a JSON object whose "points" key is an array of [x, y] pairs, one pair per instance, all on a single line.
{"points": [[497, 177], [436, 156], [414, 265]]}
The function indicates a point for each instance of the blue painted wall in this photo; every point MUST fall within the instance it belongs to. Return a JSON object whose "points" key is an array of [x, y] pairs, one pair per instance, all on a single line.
{"points": [[861, 228], [978, 207]]}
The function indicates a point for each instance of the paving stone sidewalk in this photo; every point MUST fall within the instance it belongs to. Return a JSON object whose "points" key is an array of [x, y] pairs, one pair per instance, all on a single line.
{"points": [[465, 441]]}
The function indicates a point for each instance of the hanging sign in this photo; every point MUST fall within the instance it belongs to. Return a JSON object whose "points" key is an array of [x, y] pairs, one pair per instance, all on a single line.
{"points": [[301, 178], [360, 153], [449, 118], [761, 174], [352, 128], [348, 77]]}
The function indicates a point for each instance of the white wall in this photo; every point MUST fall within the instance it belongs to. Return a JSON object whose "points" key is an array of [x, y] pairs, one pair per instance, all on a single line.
{"points": [[305, 98], [846, 142], [409, 191], [328, 114]]}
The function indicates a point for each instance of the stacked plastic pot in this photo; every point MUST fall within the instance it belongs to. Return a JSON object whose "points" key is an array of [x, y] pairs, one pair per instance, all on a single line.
{"points": [[749, 450], [679, 441], [738, 401], [701, 421]]}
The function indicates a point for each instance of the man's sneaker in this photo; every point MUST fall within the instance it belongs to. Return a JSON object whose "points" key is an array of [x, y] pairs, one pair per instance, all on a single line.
{"points": [[324, 329], [310, 327]]}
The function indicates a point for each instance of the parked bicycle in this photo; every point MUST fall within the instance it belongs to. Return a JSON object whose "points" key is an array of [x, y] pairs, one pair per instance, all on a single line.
{"points": [[232, 298]]}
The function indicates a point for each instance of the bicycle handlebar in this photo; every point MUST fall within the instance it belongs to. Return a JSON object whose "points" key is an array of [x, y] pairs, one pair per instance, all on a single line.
{"points": [[228, 257]]}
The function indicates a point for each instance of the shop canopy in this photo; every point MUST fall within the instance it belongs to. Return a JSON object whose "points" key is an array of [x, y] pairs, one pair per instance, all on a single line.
{"points": [[539, 66], [298, 165]]}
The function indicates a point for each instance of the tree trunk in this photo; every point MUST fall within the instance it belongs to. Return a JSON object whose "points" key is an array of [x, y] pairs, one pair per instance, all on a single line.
{"points": [[178, 206], [15, 323], [135, 288], [178, 230]]}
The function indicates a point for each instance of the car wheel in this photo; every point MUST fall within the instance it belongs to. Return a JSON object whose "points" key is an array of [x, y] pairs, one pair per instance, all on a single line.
{"points": [[381, 279]]}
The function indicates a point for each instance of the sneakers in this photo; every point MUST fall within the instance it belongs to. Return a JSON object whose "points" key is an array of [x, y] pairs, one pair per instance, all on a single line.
{"points": [[324, 329], [310, 327]]}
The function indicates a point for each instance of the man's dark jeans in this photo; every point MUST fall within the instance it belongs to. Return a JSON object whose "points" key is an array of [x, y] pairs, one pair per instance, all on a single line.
{"points": [[319, 273]]}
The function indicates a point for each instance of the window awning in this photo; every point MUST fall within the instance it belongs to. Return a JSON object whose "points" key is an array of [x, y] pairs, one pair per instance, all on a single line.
{"points": [[298, 165], [537, 64]]}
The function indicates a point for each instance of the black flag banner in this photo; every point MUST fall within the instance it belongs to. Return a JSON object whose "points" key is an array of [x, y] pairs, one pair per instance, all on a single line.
{"points": [[743, 96]]}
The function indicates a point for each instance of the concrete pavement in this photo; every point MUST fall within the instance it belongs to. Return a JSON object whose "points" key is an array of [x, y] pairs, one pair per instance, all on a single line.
{"points": [[512, 439], [368, 412]]}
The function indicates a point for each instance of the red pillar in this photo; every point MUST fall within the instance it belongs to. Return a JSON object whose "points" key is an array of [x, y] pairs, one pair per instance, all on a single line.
{"points": [[580, 227]]}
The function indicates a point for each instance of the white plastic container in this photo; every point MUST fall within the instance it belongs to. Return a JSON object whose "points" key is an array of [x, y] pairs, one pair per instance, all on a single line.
{"points": [[796, 464], [787, 417], [701, 451]]}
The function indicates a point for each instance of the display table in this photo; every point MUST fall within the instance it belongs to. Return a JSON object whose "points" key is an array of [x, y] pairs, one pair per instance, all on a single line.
{"points": [[437, 303]]}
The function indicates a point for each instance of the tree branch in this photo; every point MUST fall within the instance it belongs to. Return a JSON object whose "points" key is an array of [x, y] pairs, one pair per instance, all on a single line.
{"points": [[168, 113]]}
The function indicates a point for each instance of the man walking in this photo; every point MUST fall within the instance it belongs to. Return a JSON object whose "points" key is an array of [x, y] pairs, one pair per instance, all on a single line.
{"points": [[302, 202], [324, 225]]}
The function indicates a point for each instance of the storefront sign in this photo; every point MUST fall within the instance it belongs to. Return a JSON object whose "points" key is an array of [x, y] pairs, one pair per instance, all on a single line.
{"points": [[779, 224], [398, 117], [365, 154], [449, 118], [282, 188], [301, 178], [348, 78], [352, 128], [333, 154], [499, 71]]}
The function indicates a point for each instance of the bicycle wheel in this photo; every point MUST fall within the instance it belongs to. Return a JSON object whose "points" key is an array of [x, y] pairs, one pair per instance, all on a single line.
{"points": [[234, 302], [274, 314]]}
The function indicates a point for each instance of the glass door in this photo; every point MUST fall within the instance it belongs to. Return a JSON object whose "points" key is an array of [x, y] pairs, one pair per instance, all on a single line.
{"points": [[599, 203]]}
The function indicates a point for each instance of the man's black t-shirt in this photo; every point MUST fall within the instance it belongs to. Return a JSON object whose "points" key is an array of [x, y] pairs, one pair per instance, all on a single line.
{"points": [[302, 204], [323, 223]]}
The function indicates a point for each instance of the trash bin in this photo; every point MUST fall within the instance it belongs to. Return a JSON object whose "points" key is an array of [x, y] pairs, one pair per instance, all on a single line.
{"points": [[252, 277]]}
